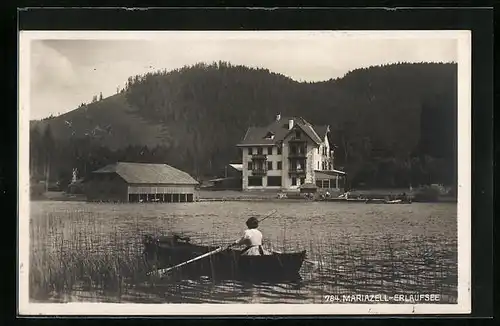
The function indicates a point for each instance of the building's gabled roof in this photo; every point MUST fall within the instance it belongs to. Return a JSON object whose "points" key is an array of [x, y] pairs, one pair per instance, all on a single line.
{"points": [[321, 131], [224, 179], [237, 167], [327, 174], [257, 135], [145, 173]]}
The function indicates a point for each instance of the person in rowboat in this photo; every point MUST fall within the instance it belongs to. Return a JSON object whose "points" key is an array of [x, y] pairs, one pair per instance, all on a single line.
{"points": [[252, 238]]}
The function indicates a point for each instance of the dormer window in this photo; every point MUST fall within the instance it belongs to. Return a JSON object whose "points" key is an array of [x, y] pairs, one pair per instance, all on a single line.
{"points": [[297, 134], [269, 135]]}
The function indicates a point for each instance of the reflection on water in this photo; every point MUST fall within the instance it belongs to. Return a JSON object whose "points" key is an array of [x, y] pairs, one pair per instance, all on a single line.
{"points": [[372, 278], [352, 248]]}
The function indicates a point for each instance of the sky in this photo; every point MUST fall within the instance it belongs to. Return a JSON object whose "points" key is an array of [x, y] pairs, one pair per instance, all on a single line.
{"points": [[66, 72]]}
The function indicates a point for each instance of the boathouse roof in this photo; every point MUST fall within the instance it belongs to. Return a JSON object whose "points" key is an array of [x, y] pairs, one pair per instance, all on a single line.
{"points": [[148, 173]]}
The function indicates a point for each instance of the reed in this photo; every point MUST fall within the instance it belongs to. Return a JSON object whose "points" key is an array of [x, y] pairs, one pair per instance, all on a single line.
{"points": [[77, 251], [73, 252]]}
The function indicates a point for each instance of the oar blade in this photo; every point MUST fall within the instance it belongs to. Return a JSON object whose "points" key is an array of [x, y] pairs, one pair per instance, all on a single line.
{"points": [[162, 272]]}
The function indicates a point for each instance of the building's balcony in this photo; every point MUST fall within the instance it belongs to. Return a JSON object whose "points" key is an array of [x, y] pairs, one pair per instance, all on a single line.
{"points": [[297, 155], [259, 157], [259, 172], [296, 171]]}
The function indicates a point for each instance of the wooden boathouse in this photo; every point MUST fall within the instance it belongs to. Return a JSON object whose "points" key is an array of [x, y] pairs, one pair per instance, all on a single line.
{"points": [[140, 182]]}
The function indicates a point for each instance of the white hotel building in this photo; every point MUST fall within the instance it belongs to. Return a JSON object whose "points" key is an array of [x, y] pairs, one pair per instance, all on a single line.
{"points": [[287, 154]]}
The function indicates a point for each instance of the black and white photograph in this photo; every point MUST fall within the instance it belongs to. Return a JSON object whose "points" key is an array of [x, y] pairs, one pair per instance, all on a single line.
{"points": [[218, 172]]}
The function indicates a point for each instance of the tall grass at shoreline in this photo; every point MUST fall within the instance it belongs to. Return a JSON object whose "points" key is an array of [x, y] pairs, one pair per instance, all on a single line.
{"points": [[75, 251]]}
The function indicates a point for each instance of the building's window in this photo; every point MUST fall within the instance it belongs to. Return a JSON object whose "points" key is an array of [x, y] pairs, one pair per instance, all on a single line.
{"points": [[250, 151], [280, 166], [269, 165], [319, 183], [302, 181], [259, 150], [293, 150], [318, 165], [297, 133], [326, 184], [270, 150], [329, 165], [279, 150], [294, 181], [317, 149], [249, 165], [254, 181], [274, 181]]}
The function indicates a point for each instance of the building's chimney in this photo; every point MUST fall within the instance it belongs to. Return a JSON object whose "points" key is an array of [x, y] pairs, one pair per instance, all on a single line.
{"points": [[278, 117], [290, 124]]}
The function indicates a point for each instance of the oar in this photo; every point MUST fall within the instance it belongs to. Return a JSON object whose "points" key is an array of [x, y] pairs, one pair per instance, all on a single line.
{"points": [[269, 215], [164, 271]]}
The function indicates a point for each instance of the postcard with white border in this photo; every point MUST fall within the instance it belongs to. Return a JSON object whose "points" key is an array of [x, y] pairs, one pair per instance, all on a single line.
{"points": [[244, 172]]}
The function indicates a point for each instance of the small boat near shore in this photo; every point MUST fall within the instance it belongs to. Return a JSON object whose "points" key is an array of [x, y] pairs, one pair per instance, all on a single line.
{"points": [[366, 200], [343, 200], [397, 201], [167, 251]]}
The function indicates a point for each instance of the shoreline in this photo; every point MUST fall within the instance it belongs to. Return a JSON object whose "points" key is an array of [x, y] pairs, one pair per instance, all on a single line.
{"points": [[251, 197]]}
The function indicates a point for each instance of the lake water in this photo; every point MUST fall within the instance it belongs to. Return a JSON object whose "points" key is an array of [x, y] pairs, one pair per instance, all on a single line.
{"points": [[352, 248]]}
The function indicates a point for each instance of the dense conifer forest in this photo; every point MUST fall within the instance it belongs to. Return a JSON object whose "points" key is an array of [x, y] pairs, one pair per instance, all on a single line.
{"points": [[392, 125]]}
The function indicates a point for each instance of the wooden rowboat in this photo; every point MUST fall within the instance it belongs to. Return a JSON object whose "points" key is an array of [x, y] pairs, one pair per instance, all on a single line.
{"points": [[164, 252]]}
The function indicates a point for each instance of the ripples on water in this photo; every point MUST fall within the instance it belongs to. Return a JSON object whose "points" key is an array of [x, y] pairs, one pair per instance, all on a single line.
{"points": [[352, 248]]}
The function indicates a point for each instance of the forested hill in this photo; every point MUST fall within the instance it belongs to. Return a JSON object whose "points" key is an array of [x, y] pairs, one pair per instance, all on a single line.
{"points": [[394, 125]]}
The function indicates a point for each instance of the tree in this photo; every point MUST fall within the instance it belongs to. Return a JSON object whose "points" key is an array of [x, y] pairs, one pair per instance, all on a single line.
{"points": [[36, 152], [48, 151]]}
